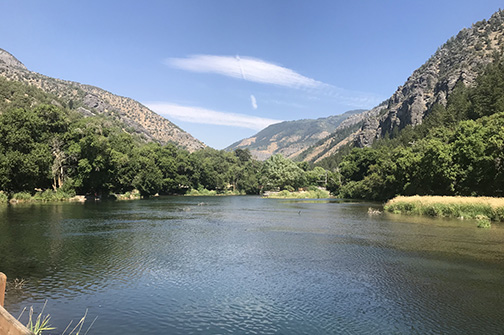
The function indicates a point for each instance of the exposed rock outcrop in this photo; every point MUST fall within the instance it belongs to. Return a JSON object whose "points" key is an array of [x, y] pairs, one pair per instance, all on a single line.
{"points": [[6, 59], [462, 58]]}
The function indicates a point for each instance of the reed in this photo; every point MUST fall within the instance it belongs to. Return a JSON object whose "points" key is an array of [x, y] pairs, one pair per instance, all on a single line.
{"points": [[446, 206], [41, 324]]}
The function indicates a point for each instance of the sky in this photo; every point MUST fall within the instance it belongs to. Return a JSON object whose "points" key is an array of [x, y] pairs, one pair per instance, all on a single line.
{"points": [[222, 70]]}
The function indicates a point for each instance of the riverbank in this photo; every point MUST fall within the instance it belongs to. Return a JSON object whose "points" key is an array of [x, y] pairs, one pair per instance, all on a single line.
{"points": [[477, 208], [59, 196], [204, 192]]}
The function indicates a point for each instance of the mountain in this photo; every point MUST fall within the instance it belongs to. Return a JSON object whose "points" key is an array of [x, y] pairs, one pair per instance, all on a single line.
{"points": [[460, 60], [291, 138], [344, 134], [91, 100]]}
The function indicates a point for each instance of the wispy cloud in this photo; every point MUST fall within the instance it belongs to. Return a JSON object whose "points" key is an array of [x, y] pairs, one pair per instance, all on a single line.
{"points": [[253, 101], [207, 116], [247, 68], [260, 71]]}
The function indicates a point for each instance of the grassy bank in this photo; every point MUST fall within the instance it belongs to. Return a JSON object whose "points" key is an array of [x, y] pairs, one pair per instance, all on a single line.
{"points": [[133, 195], [40, 196], [204, 192], [478, 208], [59, 195], [312, 194]]}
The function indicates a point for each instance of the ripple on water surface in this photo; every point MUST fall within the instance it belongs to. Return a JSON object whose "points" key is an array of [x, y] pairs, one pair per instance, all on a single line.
{"points": [[245, 265]]}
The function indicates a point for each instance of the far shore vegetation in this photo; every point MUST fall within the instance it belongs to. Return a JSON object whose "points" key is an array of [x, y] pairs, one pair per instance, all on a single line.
{"points": [[205, 192], [312, 193]]}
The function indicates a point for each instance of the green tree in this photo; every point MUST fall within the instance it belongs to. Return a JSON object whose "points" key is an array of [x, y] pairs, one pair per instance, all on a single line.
{"points": [[280, 172]]}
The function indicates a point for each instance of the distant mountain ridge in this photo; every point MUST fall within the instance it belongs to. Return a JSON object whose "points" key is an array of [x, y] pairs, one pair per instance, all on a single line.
{"points": [[344, 134], [291, 138], [91, 100]]}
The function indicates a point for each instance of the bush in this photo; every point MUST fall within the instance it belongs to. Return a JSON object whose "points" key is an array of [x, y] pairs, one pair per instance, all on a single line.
{"points": [[3, 198], [22, 196], [201, 192], [483, 221], [50, 195], [289, 188]]}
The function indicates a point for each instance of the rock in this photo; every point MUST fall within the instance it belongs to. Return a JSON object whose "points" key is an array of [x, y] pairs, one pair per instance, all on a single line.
{"points": [[457, 60], [6, 59]]}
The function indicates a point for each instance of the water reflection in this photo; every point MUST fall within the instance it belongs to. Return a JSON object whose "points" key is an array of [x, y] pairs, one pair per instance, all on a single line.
{"points": [[246, 264]]}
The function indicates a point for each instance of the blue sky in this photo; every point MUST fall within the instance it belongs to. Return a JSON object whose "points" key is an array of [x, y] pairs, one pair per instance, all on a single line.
{"points": [[224, 69]]}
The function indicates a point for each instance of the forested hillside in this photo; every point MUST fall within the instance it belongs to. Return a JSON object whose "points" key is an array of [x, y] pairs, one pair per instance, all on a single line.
{"points": [[460, 60], [457, 150], [133, 117]]}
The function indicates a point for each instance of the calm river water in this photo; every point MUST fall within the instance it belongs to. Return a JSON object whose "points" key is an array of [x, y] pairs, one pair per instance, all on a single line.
{"points": [[246, 265]]}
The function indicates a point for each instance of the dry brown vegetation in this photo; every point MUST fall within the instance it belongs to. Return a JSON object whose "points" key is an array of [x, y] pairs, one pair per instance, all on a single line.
{"points": [[449, 206]]}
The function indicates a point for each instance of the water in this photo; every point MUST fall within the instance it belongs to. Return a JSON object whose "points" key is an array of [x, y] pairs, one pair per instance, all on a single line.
{"points": [[246, 265]]}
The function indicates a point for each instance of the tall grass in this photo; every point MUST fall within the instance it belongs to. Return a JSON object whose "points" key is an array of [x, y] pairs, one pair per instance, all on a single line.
{"points": [[443, 206]]}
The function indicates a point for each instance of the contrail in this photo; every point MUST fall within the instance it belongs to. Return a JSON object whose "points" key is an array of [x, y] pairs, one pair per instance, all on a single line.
{"points": [[241, 67]]}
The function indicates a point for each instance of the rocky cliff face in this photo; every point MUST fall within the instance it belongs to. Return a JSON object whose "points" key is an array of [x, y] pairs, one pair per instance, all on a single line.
{"points": [[91, 100], [345, 133], [7, 60], [462, 58]]}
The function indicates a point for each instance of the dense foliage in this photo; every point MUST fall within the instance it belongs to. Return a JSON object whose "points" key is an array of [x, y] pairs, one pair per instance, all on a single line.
{"points": [[45, 145], [458, 150]]}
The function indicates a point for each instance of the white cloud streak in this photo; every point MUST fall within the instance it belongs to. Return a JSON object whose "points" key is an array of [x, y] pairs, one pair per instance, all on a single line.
{"points": [[260, 71], [207, 116], [246, 68], [253, 101]]}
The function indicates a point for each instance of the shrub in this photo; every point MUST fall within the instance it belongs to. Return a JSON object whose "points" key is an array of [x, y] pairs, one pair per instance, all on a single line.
{"points": [[201, 192], [50, 195], [483, 221], [193, 192], [21, 196], [289, 188]]}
